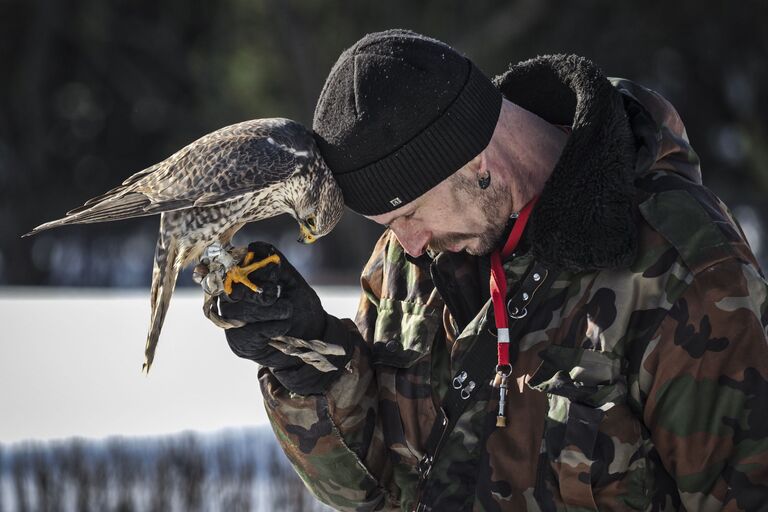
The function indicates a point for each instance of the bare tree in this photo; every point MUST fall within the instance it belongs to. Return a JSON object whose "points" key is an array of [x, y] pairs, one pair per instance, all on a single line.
{"points": [[191, 470], [123, 473], [161, 485], [44, 474], [246, 481], [77, 473], [20, 472]]}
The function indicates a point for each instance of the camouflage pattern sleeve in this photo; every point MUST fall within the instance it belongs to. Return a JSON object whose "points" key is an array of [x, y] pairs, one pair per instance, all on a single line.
{"points": [[331, 439], [704, 381]]}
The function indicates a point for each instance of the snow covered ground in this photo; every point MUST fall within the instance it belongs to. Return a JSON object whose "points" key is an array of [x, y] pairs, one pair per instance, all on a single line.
{"points": [[70, 364]]}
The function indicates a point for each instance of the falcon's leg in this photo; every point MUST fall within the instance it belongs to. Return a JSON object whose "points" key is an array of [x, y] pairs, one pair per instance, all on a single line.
{"points": [[210, 274], [218, 271], [239, 274], [214, 264]]}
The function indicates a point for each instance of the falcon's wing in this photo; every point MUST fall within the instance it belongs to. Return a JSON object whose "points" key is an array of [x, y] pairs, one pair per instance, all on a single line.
{"points": [[216, 168]]}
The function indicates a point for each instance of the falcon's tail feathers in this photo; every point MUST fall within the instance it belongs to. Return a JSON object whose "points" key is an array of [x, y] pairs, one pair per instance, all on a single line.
{"points": [[127, 206], [115, 204], [168, 261], [121, 207]]}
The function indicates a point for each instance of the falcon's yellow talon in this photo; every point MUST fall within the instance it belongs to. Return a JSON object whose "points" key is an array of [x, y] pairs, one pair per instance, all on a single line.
{"points": [[248, 268], [228, 285], [240, 274]]}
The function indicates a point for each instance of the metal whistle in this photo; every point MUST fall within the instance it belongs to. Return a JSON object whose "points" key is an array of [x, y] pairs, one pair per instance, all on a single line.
{"points": [[501, 417]]}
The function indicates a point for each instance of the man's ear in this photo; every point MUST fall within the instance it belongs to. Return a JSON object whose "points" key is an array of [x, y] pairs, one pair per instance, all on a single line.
{"points": [[478, 165], [472, 169]]}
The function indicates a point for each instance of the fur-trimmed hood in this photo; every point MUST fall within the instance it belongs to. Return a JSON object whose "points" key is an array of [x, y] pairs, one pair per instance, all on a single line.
{"points": [[585, 218]]}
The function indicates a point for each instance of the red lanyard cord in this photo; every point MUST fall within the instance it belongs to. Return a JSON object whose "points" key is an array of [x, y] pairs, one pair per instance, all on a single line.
{"points": [[499, 281], [498, 296]]}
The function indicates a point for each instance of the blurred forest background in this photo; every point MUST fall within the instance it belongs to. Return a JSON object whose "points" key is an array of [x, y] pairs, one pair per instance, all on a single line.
{"points": [[93, 91]]}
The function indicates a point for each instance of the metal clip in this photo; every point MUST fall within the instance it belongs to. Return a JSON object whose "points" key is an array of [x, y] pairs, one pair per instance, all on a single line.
{"points": [[467, 390], [425, 466], [459, 379], [516, 312]]}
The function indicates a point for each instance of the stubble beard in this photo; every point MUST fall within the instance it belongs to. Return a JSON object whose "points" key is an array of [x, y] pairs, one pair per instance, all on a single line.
{"points": [[489, 202]]}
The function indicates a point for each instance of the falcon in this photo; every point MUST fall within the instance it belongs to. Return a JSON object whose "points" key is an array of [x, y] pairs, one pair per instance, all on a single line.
{"points": [[206, 192]]}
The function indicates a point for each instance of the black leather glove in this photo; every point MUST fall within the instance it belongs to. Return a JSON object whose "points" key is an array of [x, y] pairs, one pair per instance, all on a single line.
{"points": [[287, 307]]}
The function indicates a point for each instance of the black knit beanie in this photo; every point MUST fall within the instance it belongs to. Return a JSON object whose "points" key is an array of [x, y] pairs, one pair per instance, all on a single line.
{"points": [[398, 114]]}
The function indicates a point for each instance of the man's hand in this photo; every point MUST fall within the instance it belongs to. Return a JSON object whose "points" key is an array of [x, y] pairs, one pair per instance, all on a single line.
{"points": [[286, 318]]}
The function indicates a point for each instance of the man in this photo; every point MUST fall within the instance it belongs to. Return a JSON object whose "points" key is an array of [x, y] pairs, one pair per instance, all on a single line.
{"points": [[625, 369]]}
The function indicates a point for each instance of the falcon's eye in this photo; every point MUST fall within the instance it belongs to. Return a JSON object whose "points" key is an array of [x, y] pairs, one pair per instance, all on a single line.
{"points": [[311, 222]]}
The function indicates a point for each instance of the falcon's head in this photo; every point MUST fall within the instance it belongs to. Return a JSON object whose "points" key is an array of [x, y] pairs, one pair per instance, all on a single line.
{"points": [[320, 207]]}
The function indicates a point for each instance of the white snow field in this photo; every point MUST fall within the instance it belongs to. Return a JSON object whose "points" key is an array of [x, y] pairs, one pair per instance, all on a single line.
{"points": [[70, 365]]}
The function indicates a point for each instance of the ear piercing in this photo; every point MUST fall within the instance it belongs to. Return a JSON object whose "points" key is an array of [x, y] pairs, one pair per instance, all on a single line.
{"points": [[484, 181]]}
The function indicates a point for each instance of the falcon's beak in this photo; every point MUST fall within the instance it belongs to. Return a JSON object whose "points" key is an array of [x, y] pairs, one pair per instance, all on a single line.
{"points": [[306, 236]]}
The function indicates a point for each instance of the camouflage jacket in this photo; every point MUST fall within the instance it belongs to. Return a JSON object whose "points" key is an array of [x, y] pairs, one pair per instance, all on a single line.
{"points": [[641, 381]]}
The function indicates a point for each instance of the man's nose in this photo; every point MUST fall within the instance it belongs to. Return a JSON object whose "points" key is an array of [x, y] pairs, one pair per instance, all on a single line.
{"points": [[413, 241]]}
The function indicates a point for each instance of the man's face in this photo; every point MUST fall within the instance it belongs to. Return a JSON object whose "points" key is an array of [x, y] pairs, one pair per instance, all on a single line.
{"points": [[456, 215]]}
